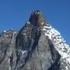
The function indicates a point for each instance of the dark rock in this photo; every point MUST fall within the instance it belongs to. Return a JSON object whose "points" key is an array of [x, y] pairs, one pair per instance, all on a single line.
{"points": [[41, 53]]}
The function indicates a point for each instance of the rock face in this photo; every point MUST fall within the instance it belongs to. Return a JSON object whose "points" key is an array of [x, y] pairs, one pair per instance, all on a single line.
{"points": [[7, 50], [37, 46]]}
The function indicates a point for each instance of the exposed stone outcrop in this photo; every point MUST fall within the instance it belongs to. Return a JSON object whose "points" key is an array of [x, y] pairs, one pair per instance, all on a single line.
{"points": [[31, 48]]}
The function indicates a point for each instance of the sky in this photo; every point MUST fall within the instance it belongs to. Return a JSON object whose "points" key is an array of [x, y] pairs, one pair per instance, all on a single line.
{"points": [[15, 13]]}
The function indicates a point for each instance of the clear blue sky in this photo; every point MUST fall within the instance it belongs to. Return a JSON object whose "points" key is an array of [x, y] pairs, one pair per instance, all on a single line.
{"points": [[14, 14]]}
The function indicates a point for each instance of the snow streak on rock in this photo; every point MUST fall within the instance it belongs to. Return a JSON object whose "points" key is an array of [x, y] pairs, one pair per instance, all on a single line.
{"points": [[59, 43]]}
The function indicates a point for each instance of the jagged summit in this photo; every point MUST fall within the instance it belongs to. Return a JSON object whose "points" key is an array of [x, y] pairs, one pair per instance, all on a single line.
{"points": [[33, 48], [37, 18]]}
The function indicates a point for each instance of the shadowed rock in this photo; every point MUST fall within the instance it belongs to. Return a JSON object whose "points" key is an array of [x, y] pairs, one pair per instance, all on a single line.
{"points": [[37, 18], [41, 55]]}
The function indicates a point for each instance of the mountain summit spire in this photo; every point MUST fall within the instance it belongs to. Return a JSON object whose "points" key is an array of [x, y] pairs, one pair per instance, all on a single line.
{"points": [[37, 18]]}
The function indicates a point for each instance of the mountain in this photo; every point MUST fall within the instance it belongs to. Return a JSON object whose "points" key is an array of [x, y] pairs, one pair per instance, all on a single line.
{"points": [[37, 46]]}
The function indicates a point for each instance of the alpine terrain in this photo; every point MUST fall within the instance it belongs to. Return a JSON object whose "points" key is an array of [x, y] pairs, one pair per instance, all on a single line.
{"points": [[36, 46]]}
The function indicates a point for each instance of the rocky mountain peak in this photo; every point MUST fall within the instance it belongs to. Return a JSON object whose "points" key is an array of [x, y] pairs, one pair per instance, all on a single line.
{"points": [[37, 18], [32, 48]]}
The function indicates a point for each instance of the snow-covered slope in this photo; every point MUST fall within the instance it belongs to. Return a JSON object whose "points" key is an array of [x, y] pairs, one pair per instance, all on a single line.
{"points": [[59, 43]]}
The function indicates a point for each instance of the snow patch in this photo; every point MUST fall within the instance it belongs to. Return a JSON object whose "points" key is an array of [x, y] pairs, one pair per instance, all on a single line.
{"points": [[58, 41]]}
